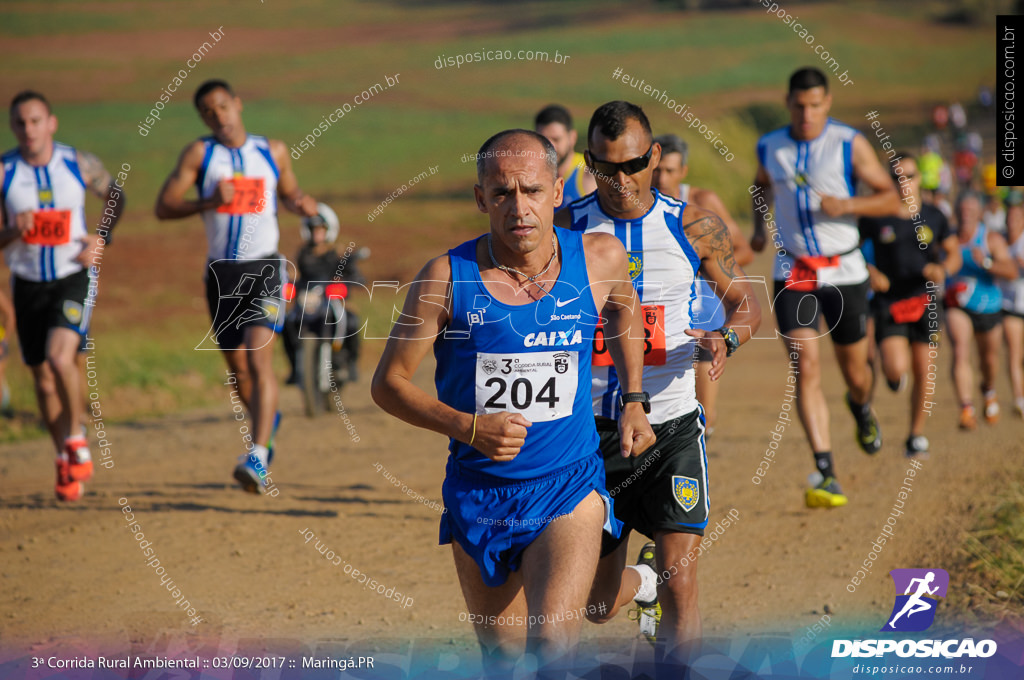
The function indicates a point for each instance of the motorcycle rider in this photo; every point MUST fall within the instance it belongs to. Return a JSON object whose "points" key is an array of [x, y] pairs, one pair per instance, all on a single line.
{"points": [[318, 261]]}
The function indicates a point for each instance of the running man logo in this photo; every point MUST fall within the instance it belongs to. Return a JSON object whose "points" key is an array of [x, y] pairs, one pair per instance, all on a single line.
{"points": [[636, 265], [686, 490], [914, 610]]}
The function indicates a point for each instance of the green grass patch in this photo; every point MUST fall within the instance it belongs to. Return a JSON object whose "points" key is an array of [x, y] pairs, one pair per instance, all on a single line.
{"points": [[992, 554]]}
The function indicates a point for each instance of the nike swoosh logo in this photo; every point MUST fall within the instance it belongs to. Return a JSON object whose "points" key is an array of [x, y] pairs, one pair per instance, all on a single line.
{"points": [[563, 303]]}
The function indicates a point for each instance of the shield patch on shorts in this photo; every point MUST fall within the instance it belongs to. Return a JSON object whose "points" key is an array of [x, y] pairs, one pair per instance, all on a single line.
{"points": [[686, 490], [73, 312], [271, 308]]}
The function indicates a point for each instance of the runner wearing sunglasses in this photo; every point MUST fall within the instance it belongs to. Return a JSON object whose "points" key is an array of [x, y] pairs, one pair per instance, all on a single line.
{"points": [[240, 179], [663, 493], [811, 169]]}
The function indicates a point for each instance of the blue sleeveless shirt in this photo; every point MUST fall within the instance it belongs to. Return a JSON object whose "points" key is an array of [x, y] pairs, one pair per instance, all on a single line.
{"points": [[979, 291], [532, 359]]}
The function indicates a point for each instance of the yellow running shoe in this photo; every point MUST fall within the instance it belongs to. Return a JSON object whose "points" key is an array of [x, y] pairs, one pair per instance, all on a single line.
{"points": [[827, 494], [648, 618]]}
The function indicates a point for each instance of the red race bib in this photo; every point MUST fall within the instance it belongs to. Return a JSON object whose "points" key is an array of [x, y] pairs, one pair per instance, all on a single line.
{"points": [[49, 228], [654, 339], [804, 274], [248, 196], [909, 310]]}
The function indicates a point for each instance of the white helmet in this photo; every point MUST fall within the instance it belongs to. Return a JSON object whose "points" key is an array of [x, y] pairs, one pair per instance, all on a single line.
{"points": [[324, 217]]}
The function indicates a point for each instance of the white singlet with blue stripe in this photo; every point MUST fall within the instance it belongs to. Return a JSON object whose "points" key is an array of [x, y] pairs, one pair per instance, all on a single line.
{"points": [[58, 185], [247, 236], [663, 266], [801, 172]]}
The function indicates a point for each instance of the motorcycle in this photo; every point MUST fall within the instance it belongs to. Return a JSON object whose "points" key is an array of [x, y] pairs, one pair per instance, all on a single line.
{"points": [[325, 345]]}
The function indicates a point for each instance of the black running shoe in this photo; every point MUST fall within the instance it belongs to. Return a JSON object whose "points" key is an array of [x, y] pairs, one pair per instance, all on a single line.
{"points": [[869, 433]]}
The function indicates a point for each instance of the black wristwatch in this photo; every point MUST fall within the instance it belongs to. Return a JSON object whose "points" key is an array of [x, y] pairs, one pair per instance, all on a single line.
{"points": [[641, 397], [732, 341]]}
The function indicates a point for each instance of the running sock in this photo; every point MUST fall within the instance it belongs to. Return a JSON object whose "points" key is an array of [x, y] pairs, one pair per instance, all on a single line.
{"points": [[823, 461], [648, 591], [81, 448], [988, 392], [259, 453]]}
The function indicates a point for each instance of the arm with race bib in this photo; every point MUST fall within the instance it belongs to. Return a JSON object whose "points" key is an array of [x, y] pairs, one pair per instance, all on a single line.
{"points": [[171, 203], [16, 227], [710, 238], [499, 436]]}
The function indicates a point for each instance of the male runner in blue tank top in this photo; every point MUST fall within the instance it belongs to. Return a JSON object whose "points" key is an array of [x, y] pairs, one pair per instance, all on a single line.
{"points": [[510, 316], [240, 180], [664, 493]]}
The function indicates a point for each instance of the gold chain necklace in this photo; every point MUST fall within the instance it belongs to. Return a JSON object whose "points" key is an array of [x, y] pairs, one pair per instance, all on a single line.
{"points": [[513, 270]]}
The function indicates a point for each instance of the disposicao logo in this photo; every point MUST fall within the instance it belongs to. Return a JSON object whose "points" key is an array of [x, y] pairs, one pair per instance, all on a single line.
{"points": [[914, 610], [917, 595]]}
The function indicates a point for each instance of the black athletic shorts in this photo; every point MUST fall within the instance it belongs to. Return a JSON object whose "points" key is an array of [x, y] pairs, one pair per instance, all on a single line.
{"points": [[42, 305], [663, 489], [982, 322], [925, 329], [845, 309], [244, 293]]}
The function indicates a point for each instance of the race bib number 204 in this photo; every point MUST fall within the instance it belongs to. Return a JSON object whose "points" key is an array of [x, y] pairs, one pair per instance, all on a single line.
{"points": [[539, 385]]}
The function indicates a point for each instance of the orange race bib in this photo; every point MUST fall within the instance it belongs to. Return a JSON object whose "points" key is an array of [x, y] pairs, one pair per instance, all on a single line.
{"points": [[804, 274], [248, 196], [49, 228], [909, 310], [654, 339]]}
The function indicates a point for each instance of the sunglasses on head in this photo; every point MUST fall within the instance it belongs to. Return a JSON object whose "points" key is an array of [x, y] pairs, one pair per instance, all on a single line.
{"points": [[630, 167]]}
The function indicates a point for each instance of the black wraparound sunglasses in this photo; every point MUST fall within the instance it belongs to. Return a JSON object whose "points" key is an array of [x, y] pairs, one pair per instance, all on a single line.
{"points": [[630, 167]]}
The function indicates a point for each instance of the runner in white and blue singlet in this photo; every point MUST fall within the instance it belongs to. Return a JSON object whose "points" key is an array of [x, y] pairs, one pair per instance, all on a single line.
{"points": [[807, 176], [241, 180], [510, 317], [49, 250], [664, 493]]}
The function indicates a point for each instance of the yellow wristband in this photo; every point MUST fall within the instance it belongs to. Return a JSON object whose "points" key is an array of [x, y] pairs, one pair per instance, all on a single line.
{"points": [[474, 431]]}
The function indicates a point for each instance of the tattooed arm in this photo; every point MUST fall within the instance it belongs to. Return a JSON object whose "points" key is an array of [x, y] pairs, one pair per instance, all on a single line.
{"points": [[713, 243], [100, 182]]}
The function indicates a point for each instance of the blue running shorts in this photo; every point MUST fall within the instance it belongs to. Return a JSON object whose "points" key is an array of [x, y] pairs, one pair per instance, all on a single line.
{"points": [[494, 520]]}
